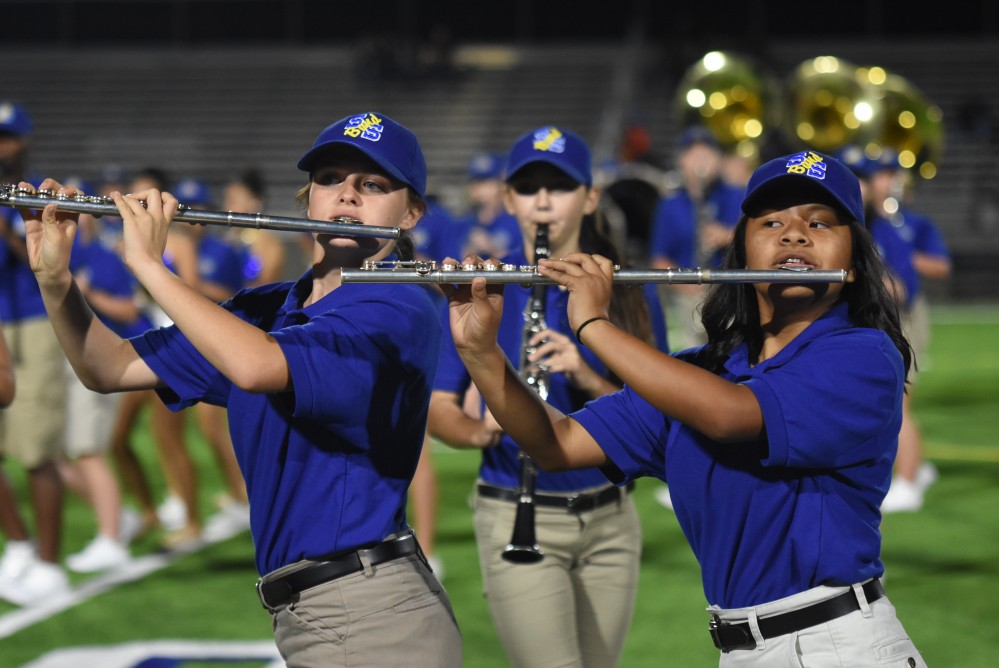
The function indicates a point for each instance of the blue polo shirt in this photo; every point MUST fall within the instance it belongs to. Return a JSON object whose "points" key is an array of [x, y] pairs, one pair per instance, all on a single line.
{"points": [[438, 235], [106, 272], [501, 464], [503, 231], [921, 233], [771, 519], [20, 297], [327, 465], [674, 223], [220, 262], [898, 255]]}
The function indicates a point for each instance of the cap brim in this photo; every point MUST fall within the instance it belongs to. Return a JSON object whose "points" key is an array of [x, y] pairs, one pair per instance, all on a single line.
{"points": [[308, 161], [769, 192], [568, 170]]}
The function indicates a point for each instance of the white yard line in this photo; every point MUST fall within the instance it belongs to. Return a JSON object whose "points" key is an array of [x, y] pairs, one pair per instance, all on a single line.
{"points": [[135, 569], [128, 655]]}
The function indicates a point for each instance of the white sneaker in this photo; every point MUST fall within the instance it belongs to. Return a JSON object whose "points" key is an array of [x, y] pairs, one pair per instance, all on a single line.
{"points": [[664, 498], [42, 581], [17, 556], [903, 496], [233, 519], [101, 554], [926, 475], [172, 513], [129, 525]]}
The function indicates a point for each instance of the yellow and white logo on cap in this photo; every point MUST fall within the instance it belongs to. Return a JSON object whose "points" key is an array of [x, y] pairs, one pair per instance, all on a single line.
{"points": [[549, 139], [808, 163], [366, 126]]}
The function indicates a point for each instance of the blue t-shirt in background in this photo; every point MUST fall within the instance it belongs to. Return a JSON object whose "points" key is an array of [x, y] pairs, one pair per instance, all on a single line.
{"points": [[105, 271], [898, 255], [674, 223], [20, 297]]}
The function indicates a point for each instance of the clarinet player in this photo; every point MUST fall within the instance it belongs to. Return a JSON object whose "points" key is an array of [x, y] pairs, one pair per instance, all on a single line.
{"points": [[573, 606]]}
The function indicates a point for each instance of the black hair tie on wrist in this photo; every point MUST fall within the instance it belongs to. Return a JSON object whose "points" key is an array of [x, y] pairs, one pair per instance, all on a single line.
{"points": [[580, 328]]}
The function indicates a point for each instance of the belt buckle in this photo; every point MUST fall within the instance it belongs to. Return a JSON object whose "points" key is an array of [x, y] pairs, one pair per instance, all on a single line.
{"points": [[718, 627], [574, 499], [260, 595], [263, 597]]}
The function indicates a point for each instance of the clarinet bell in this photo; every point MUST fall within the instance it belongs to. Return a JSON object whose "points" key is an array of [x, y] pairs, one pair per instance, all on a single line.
{"points": [[523, 547]]}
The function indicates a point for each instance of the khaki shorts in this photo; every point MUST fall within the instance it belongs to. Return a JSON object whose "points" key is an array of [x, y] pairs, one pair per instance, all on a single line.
{"points": [[90, 418], [32, 430]]}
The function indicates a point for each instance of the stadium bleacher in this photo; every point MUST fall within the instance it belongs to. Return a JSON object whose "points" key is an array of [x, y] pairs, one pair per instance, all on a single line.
{"points": [[210, 111]]}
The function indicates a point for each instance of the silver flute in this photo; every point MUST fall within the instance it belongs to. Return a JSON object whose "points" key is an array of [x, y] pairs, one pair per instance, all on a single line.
{"points": [[97, 205], [433, 273]]}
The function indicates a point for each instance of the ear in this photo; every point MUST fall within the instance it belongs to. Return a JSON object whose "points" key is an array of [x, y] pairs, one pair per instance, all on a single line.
{"points": [[508, 199], [851, 275], [414, 211], [592, 199]]}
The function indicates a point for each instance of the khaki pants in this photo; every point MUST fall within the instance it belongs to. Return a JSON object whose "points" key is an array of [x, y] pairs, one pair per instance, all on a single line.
{"points": [[574, 607], [398, 614], [871, 636]]}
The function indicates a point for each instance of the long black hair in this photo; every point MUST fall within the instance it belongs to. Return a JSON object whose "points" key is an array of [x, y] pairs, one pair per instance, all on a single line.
{"points": [[731, 316]]}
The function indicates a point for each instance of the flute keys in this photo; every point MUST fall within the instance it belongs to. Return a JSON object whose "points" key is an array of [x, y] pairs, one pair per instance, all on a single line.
{"points": [[425, 267]]}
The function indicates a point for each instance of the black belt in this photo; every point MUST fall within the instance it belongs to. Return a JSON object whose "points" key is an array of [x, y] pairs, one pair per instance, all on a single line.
{"points": [[282, 590], [573, 502], [728, 636]]}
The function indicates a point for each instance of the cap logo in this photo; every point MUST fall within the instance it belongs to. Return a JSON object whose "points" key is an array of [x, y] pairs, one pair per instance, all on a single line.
{"points": [[808, 163], [549, 139], [6, 112], [366, 126]]}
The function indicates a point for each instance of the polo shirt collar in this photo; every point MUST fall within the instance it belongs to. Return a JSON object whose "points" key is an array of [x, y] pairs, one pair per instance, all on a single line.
{"points": [[834, 319]]}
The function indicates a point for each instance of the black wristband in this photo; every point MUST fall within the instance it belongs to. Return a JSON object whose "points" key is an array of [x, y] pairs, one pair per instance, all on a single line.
{"points": [[580, 328]]}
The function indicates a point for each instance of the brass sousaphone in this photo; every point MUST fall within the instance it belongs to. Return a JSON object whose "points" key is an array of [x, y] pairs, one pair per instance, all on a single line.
{"points": [[731, 96], [830, 105], [833, 103], [910, 124]]}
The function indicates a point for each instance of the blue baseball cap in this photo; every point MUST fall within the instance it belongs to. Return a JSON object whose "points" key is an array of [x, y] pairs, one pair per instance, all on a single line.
{"points": [[888, 160], [856, 161], [393, 147], [485, 166], [808, 169], [562, 148], [193, 192], [79, 183], [113, 175], [697, 134], [14, 119]]}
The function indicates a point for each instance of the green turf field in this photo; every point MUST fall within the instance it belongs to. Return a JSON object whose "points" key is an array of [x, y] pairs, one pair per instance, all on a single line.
{"points": [[942, 563]]}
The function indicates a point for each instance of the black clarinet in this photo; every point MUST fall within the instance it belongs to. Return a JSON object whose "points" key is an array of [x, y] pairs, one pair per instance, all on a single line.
{"points": [[523, 547]]}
